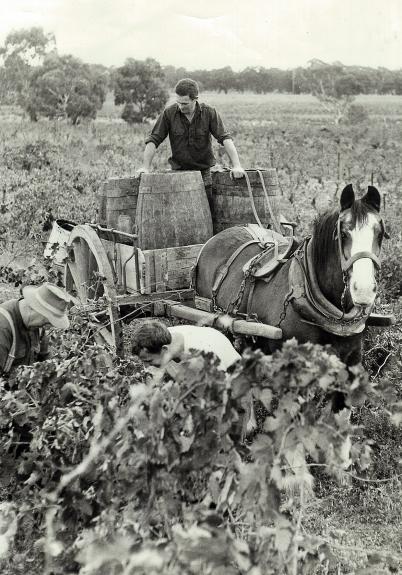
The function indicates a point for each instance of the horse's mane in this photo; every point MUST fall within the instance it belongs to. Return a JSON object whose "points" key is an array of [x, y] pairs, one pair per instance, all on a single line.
{"points": [[324, 231]]}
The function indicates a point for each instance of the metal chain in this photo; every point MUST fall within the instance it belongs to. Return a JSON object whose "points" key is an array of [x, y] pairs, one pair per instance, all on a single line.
{"points": [[345, 289], [235, 304], [286, 303]]}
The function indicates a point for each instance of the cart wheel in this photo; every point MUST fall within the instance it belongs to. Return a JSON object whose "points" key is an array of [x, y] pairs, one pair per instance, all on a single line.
{"points": [[89, 275]]}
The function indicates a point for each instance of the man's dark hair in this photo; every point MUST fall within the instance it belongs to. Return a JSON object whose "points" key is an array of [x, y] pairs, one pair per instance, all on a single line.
{"points": [[150, 334], [187, 87]]}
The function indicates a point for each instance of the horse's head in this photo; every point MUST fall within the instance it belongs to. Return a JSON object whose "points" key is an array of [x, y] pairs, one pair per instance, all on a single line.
{"points": [[359, 233]]}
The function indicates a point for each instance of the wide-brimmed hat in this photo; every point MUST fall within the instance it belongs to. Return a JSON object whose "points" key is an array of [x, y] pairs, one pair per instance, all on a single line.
{"points": [[50, 301]]}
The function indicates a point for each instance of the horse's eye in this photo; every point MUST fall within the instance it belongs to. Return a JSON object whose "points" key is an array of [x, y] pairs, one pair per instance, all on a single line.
{"points": [[344, 235]]}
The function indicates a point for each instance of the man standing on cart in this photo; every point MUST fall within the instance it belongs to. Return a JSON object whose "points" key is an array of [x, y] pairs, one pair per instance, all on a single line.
{"points": [[189, 125]]}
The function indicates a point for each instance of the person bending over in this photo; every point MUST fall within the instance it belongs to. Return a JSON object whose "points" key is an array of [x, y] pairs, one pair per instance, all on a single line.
{"points": [[23, 338], [156, 344]]}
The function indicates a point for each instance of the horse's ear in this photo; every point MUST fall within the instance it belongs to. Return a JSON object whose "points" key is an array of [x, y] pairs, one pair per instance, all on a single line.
{"points": [[347, 197], [372, 198]]}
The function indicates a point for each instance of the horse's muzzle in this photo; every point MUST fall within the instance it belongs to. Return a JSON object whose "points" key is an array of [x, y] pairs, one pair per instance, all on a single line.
{"points": [[363, 294]]}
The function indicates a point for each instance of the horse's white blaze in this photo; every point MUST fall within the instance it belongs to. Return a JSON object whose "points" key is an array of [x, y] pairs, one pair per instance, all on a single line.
{"points": [[362, 280]]}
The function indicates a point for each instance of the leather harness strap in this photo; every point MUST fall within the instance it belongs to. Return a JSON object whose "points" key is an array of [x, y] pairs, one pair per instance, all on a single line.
{"points": [[346, 264], [225, 269]]}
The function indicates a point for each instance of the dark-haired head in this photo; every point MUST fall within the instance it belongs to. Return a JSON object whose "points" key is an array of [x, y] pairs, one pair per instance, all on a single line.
{"points": [[151, 335], [187, 87]]}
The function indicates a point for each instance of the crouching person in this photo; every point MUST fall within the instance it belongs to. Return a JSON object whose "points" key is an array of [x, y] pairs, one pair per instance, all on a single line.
{"points": [[157, 344], [23, 338]]}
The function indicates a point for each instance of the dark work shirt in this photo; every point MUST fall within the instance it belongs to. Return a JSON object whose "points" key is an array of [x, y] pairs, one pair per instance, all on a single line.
{"points": [[31, 344], [190, 141]]}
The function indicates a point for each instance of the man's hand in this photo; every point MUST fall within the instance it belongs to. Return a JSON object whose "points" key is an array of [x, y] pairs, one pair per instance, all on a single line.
{"points": [[142, 170], [237, 172], [217, 168]]}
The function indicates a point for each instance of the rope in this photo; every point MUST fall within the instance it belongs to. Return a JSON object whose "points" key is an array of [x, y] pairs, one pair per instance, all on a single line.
{"points": [[250, 193], [275, 222]]}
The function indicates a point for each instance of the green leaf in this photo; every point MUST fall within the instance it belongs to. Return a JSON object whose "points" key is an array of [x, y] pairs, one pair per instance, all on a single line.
{"points": [[240, 386], [262, 447], [265, 396], [272, 424]]}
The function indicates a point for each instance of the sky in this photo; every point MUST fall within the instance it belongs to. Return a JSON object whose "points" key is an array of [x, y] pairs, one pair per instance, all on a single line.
{"points": [[207, 34]]}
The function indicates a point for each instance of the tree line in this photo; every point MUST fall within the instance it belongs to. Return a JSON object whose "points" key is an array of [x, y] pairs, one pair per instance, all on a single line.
{"points": [[348, 79], [44, 83]]}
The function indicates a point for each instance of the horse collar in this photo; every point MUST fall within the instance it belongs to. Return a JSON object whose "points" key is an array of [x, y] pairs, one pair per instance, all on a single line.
{"points": [[311, 304]]}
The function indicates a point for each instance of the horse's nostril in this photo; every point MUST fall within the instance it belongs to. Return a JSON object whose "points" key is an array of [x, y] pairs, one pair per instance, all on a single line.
{"points": [[355, 287]]}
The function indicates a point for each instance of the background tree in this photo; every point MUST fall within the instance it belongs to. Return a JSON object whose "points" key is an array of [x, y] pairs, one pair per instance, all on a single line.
{"points": [[333, 85], [386, 80], [23, 50], [65, 87], [248, 79], [173, 74], [223, 79], [398, 82], [141, 86]]}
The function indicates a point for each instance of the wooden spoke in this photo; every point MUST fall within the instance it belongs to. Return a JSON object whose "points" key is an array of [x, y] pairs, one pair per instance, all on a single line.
{"points": [[73, 281], [81, 266], [89, 275]]}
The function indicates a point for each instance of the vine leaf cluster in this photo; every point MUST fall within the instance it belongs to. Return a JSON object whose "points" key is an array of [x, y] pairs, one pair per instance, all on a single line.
{"points": [[118, 468]]}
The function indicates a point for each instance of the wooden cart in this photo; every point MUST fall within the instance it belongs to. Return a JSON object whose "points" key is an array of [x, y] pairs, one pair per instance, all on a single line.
{"points": [[107, 272]]}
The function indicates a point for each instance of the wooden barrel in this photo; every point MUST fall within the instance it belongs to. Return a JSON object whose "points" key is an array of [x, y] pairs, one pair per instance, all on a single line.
{"points": [[231, 204], [118, 197], [172, 210]]}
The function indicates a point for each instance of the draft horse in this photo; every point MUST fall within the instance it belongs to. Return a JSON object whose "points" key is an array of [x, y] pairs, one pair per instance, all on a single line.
{"points": [[323, 293]]}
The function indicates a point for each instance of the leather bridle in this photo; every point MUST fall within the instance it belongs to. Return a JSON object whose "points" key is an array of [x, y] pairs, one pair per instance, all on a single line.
{"points": [[347, 263]]}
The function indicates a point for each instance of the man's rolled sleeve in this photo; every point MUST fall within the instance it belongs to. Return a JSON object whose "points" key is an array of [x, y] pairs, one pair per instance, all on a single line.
{"points": [[159, 131], [217, 127]]}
